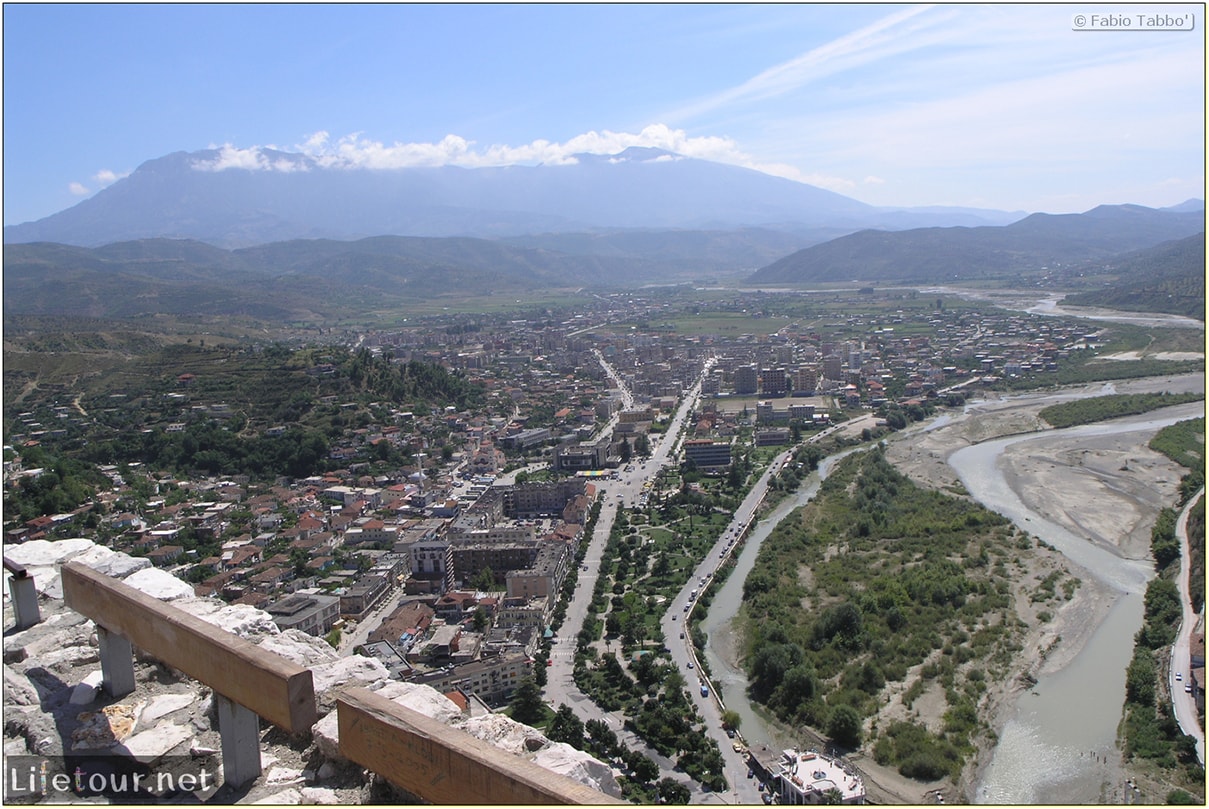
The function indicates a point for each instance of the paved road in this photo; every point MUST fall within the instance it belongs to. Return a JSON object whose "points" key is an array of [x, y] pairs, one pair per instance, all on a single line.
{"points": [[560, 686], [1183, 703]]}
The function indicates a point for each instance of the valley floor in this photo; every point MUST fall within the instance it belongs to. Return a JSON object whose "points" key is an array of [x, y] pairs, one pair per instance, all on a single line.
{"points": [[1107, 488]]}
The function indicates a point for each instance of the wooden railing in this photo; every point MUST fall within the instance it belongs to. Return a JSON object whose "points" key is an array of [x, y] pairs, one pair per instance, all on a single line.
{"points": [[444, 765], [249, 681], [427, 758]]}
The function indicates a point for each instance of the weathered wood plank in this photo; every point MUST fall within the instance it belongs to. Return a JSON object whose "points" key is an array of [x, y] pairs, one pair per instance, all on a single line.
{"points": [[444, 765], [279, 690]]}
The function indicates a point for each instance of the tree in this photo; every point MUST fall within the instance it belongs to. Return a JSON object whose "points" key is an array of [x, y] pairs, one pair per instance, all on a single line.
{"points": [[645, 770], [566, 727], [844, 726], [731, 719], [481, 621], [526, 704], [484, 580], [672, 791]]}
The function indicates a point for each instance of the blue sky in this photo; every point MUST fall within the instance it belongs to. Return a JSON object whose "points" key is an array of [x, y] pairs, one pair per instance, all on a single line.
{"points": [[998, 106]]}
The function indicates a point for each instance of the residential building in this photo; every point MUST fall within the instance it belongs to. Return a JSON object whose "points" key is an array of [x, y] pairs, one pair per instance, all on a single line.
{"points": [[707, 455], [314, 614]]}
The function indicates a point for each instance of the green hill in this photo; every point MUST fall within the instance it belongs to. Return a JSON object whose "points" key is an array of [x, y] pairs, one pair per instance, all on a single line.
{"points": [[1034, 245], [1169, 278]]}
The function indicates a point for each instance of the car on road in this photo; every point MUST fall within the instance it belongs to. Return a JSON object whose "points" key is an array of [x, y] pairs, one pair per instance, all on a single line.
{"points": [[1187, 688], [1179, 676], [690, 664]]}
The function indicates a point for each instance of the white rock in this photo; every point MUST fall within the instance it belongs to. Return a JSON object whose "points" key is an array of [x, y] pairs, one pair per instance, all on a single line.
{"points": [[326, 733], [18, 690], [85, 692], [243, 620], [283, 775], [67, 657], [321, 795], [45, 553], [422, 699], [199, 607], [111, 562], [287, 797], [159, 584], [46, 580], [151, 745], [355, 670], [165, 704], [55, 637], [299, 647], [579, 766], [15, 747], [504, 733]]}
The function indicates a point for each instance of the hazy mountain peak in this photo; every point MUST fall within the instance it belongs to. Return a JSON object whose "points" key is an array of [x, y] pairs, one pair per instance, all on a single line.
{"points": [[633, 154], [234, 197]]}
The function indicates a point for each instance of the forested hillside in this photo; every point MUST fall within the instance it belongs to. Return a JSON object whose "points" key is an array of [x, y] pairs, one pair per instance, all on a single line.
{"points": [[1169, 278]]}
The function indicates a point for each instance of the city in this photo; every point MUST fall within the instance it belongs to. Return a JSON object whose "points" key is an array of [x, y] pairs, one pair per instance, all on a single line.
{"points": [[459, 548]]}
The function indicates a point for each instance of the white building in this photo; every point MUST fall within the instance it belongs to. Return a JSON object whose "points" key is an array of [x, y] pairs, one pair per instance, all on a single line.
{"points": [[803, 778]]}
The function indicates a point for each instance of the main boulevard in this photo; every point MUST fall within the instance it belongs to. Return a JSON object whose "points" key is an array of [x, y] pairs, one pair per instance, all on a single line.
{"points": [[560, 687]]}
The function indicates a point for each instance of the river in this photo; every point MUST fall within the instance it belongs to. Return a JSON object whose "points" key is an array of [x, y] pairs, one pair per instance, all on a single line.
{"points": [[1068, 721], [1046, 749], [731, 682]]}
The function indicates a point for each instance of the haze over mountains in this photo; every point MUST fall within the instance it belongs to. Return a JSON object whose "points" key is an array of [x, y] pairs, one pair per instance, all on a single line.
{"points": [[277, 235], [291, 196]]}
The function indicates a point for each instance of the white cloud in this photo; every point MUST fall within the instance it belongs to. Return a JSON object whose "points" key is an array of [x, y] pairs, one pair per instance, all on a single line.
{"points": [[354, 151], [78, 190], [230, 157], [108, 177], [871, 180]]}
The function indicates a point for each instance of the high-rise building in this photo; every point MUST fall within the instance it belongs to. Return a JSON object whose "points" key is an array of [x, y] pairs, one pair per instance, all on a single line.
{"points": [[805, 380], [746, 379], [833, 367], [773, 382]]}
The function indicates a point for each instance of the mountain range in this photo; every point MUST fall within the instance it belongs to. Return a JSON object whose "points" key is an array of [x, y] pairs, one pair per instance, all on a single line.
{"points": [[289, 239], [1033, 245], [283, 196]]}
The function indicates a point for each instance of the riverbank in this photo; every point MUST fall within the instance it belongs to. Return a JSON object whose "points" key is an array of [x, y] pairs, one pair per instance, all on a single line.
{"points": [[1105, 488], [1073, 484]]}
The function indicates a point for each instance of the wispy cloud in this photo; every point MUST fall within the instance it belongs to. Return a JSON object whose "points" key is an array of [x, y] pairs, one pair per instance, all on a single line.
{"points": [[78, 189], [890, 36]]}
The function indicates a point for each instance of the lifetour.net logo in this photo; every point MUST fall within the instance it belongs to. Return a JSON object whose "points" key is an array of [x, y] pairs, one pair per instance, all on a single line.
{"points": [[67, 779]]}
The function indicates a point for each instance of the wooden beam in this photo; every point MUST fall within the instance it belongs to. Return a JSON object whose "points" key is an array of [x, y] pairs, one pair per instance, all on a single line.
{"points": [[444, 765], [279, 690]]}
